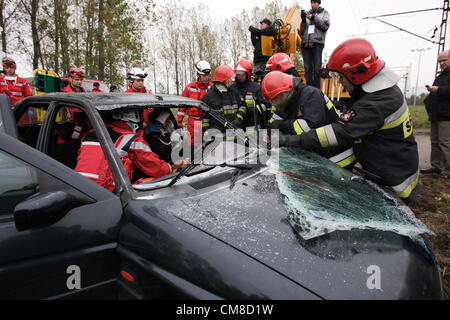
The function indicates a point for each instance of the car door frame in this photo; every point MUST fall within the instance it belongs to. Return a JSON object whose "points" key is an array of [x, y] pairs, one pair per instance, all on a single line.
{"points": [[7, 116], [42, 162], [123, 187]]}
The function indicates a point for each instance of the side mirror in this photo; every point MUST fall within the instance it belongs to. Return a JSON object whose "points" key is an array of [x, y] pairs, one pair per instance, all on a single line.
{"points": [[43, 209]]}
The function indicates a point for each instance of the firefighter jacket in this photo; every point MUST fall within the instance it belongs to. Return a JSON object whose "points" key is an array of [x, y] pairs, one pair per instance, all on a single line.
{"points": [[308, 109], [16, 88], [255, 111], [380, 129], [133, 151], [311, 106], [227, 102], [194, 90], [438, 104]]}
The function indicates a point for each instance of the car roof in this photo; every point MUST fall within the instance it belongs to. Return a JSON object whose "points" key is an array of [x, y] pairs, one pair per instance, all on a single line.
{"points": [[112, 101]]}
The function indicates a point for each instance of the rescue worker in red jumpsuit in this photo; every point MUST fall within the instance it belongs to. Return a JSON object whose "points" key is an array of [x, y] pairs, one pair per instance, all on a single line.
{"points": [[76, 76], [136, 77], [195, 90], [133, 150], [15, 87]]}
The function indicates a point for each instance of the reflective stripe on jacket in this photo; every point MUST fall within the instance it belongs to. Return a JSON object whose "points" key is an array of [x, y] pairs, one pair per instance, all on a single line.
{"points": [[16, 89], [133, 151]]}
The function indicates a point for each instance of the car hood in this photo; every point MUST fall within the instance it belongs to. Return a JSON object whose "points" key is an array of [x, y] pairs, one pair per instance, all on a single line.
{"points": [[288, 219]]}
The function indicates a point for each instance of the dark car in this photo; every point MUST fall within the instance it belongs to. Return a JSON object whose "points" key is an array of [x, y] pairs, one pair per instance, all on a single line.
{"points": [[216, 231]]}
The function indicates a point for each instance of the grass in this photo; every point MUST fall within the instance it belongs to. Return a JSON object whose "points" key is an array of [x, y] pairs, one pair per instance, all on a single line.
{"points": [[419, 117], [432, 207]]}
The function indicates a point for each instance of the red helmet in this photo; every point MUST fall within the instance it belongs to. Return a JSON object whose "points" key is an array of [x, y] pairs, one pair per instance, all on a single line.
{"points": [[8, 62], [279, 61], [357, 60], [276, 82], [244, 65], [223, 73], [76, 73]]}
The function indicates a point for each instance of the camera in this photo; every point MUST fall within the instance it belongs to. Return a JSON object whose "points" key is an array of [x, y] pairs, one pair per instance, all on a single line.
{"points": [[303, 15]]}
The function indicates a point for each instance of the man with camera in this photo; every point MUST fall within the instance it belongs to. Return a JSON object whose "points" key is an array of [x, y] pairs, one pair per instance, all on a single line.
{"points": [[315, 24]]}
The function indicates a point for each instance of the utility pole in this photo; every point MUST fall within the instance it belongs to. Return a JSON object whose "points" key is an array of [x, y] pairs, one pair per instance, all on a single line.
{"points": [[443, 33], [443, 28], [418, 70]]}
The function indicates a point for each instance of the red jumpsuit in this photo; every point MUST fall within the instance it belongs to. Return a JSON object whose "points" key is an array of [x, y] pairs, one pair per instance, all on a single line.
{"points": [[70, 89], [133, 150], [16, 88], [194, 90]]}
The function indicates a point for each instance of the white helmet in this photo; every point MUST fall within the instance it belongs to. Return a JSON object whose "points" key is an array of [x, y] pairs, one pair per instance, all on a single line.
{"points": [[136, 73], [127, 115], [202, 67]]}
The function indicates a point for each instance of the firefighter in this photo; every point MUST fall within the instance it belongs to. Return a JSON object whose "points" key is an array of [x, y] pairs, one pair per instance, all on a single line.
{"points": [[255, 106], [299, 108], [133, 150], [225, 99], [378, 124], [135, 79], [281, 62], [15, 87], [76, 76], [195, 90]]}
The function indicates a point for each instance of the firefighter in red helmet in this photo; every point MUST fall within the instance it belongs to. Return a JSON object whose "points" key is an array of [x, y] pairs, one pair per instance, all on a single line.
{"points": [[225, 99], [281, 62], [15, 87], [255, 107], [378, 125]]}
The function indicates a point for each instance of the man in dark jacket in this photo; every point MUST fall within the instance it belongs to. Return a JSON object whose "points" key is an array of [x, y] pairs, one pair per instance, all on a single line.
{"points": [[378, 124], [299, 108], [314, 29], [224, 99], [259, 61], [255, 112], [438, 108]]}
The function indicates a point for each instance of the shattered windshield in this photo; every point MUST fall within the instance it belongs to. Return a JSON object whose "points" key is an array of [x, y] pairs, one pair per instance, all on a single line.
{"points": [[322, 198]]}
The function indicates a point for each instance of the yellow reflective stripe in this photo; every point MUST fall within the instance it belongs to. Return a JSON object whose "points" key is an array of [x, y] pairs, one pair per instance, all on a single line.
{"points": [[205, 125], [330, 105], [298, 129], [357, 141], [273, 109], [322, 136], [240, 117], [259, 108], [346, 162], [272, 120], [404, 190], [230, 111], [403, 118]]}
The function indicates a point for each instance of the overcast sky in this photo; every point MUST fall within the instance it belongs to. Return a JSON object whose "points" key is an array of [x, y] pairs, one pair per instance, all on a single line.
{"points": [[347, 21]]}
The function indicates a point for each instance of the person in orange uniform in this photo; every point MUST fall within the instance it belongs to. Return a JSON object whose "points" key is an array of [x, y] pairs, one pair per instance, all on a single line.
{"points": [[195, 90]]}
